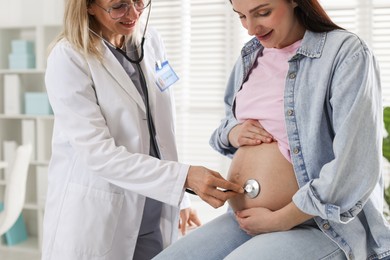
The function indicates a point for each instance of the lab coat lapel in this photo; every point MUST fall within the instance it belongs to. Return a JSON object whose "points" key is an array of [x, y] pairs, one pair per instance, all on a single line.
{"points": [[116, 70]]}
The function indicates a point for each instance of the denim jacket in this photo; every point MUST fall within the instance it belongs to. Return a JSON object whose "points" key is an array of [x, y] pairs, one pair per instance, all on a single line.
{"points": [[333, 115]]}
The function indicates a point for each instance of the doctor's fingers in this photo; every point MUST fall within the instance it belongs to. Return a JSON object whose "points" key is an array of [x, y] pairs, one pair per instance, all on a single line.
{"points": [[211, 200], [215, 196], [218, 183], [194, 219]]}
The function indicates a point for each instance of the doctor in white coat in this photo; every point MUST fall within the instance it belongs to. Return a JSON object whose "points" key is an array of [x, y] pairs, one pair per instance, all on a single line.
{"points": [[115, 186]]}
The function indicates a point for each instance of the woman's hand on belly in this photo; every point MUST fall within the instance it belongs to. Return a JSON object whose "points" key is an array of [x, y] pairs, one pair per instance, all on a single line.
{"points": [[259, 220], [256, 221], [250, 132]]}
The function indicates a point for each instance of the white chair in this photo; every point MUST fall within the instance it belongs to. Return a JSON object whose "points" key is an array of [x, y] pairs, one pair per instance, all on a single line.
{"points": [[15, 188]]}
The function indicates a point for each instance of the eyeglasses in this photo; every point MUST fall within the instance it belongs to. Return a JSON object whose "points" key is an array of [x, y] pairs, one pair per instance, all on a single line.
{"points": [[121, 9]]}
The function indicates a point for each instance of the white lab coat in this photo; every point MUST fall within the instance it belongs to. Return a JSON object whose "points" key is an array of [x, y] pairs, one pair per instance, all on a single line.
{"points": [[99, 173]]}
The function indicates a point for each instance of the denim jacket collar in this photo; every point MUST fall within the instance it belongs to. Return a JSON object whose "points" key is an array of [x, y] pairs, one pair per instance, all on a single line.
{"points": [[312, 44], [312, 47]]}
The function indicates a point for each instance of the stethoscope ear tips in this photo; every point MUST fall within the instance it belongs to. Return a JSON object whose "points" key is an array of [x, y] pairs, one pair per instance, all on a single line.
{"points": [[252, 188]]}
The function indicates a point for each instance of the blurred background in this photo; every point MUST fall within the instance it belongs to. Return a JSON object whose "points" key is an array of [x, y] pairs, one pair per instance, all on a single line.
{"points": [[203, 39]]}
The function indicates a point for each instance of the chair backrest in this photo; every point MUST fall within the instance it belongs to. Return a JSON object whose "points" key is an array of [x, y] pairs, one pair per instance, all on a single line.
{"points": [[15, 189]]}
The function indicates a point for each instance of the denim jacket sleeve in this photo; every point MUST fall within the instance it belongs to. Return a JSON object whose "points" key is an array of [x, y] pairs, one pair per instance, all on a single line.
{"points": [[219, 138], [345, 183]]}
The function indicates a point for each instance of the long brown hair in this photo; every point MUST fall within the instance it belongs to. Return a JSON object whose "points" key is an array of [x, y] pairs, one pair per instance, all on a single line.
{"points": [[312, 16]]}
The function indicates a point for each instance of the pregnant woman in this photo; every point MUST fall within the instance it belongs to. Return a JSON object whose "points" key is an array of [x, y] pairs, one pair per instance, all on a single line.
{"points": [[303, 119]]}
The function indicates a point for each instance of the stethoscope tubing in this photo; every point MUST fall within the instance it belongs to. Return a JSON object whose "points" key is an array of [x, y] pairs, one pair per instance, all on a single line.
{"points": [[141, 56]]}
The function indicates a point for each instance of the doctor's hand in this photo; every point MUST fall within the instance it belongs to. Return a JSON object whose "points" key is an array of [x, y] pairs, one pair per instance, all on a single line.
{"points": [[250, 132], [188, 219], [210, 186]]}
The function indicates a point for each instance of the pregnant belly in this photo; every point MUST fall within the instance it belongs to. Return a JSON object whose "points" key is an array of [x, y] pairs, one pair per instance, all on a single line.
{"points": [[265, 164]]}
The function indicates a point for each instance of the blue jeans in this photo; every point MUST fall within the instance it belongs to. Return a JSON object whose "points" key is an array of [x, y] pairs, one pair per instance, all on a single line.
{"points": [[222, 238]]}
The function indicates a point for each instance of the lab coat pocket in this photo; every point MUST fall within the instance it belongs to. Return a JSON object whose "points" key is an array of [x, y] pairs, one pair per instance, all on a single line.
{"points": [[88, 220]]}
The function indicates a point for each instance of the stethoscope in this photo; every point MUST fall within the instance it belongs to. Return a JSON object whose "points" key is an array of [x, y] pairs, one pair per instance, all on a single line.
{"points": [[251, 189], [141, 56], [137, 62]]}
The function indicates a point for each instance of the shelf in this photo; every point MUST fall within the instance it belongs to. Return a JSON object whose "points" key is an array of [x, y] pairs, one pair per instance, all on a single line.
{"points": [[41, 117], [30, 245], [17, 27], [25, 71], [3, 165], [16, 255], [39, 163], [31, 206], [31, 26], [44, 25]]}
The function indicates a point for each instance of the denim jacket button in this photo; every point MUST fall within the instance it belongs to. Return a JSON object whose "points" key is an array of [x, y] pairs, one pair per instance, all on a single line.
{"points": [[296, 151], [326, 226], [292, 75], [290, 112], [350, 256]]}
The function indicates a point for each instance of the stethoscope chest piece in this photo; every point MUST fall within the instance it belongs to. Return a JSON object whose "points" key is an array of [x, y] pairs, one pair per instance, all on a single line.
{"points": [[252, 188]]}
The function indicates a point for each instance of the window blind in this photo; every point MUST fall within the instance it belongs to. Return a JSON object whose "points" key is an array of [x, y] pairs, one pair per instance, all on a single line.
{"points": [[371, 21], [203, 39], [198, 44]]}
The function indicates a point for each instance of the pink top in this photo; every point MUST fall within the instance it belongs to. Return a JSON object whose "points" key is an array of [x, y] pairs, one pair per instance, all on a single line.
{"points": [[261, 96]]}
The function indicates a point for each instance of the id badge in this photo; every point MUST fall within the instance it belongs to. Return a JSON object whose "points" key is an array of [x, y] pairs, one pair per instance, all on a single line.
{"points": [[165, 75]]}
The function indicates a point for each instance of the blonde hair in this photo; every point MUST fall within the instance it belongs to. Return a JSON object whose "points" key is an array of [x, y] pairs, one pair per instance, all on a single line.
{"points": [[78, 24]]}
